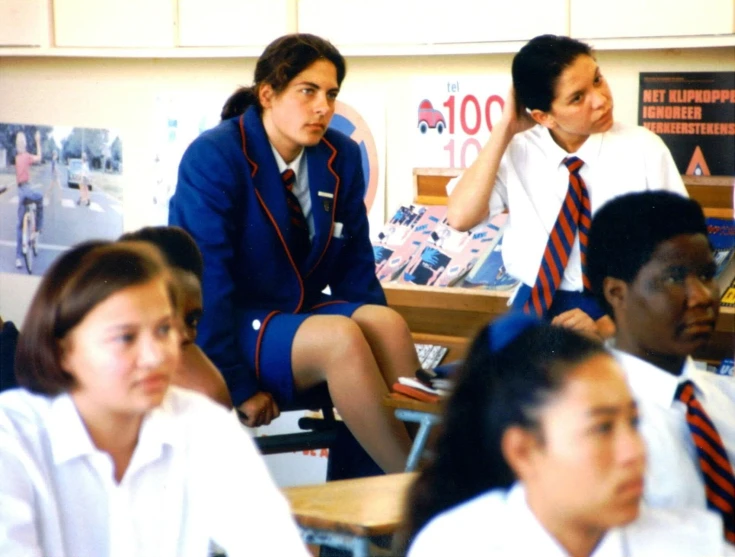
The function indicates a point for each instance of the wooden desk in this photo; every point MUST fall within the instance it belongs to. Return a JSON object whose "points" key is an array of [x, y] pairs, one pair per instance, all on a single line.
{"points": [[346, 513]]}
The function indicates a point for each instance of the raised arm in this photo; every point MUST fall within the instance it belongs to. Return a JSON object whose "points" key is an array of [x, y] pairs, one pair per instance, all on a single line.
{"points": [[39, 154], [468, 203]]}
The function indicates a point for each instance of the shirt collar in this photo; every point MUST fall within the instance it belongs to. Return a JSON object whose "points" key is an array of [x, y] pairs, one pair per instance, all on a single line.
{"points": [[282, 166], [70, 439], [610, 544], [68, 436], [652, 382], [588, 152]]}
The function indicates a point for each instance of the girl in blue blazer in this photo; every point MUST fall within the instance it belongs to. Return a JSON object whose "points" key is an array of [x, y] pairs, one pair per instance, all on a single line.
{"points": [[271, 250]]}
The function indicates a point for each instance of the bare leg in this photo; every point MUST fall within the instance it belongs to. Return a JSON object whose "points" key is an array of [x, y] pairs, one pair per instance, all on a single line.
{"points": [[333, 348], [390, 341]]}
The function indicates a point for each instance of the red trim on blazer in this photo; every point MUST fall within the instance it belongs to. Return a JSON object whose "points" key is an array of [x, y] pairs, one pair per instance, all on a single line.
{"points": [[244, 149], [329, 303], [270, 216], [260, 339], [334, 204], [285, 247]]}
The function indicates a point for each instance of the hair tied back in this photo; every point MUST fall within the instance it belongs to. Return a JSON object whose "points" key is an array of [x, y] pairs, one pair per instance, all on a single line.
{"points": [[505, 329]]}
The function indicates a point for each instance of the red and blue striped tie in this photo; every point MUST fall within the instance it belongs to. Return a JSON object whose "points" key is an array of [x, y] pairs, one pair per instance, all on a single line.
{"points": [[574, 218], [300, 244], [719, 483]]}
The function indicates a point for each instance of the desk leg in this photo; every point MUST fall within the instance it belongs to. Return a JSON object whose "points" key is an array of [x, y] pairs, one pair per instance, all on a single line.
{"points": [[426, 422], [359, 546]]}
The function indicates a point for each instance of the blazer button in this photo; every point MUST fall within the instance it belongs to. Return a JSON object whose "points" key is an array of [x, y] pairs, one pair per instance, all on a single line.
{"points": [[256, 324]]}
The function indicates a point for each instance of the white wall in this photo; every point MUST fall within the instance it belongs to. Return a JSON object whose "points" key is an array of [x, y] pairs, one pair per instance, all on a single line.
{"points": [[120, 93]]}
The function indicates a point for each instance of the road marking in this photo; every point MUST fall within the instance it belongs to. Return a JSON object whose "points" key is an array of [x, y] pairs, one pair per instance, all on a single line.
{"points": [[41, 246]]}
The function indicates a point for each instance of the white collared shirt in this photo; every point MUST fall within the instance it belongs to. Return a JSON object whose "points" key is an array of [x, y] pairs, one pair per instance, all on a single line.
{"points": [[195, 477], [499, 522], [673, 477], [532, 183], [301, 187]]}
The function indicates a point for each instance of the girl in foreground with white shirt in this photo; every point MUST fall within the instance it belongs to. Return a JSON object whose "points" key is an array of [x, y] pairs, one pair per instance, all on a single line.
{"points": [[541, 455], [100, 455]]}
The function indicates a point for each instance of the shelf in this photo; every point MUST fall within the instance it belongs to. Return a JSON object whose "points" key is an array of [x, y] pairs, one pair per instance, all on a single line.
{"points": [[179, 52], [448, 49]]}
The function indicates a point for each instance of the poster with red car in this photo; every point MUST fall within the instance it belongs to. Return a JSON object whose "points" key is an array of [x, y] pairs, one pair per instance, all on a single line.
{"points": [[455, 117]]}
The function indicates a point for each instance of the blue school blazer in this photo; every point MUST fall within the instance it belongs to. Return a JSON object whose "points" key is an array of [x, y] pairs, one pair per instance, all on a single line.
{"points": [[231, 199]]}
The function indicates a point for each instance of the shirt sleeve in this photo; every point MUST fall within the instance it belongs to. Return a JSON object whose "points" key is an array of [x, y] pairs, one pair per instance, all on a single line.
{"points": [[249, 514], [18, 524], [204, 205], [498, 198], [662, 172]]}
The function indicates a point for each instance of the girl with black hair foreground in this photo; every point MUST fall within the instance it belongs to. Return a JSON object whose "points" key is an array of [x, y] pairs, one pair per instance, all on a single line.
{"points": [[541, 455]]}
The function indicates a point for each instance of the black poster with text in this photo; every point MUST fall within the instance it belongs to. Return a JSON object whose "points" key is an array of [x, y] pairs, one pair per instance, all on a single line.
{"points": [[694, 113]]}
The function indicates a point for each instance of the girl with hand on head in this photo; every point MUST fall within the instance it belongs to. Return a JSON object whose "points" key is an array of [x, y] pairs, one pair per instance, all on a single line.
{"points": [[275, 201], [100, 455], [540, 455]]}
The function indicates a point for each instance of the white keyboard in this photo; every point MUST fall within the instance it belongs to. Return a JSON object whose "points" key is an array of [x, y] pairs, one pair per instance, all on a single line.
{"points": [[430, 355]]}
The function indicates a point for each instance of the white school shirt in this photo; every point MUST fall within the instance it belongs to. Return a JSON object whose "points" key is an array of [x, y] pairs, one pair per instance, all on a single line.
{"points": [[300, 189], [500, 523], [195, 476], [532, 183], [673, 477]]}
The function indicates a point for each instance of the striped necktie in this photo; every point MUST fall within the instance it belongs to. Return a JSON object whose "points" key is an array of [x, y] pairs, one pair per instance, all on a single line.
{"points": [[574, 217], [719, 483], [300, 244]]}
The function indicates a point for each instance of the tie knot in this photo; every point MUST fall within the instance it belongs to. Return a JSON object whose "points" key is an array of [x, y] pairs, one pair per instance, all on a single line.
{"points": [[685, 392], [289, 177], [573, 164]]}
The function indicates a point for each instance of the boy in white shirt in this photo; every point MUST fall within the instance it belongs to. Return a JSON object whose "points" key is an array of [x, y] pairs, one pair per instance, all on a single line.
{"points": [[651, 266]]}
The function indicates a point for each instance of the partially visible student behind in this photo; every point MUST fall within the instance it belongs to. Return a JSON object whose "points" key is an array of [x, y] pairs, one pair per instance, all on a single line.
{"points": [[100, 454], [540, 455], [23, 162], [652, 267], [555, 157], [275, 201], [8, 342], [182, 254]]}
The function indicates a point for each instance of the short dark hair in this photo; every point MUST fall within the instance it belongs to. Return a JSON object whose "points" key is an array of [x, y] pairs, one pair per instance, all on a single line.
{"points": [[538, 65], [494, 390], [281, 61], [77, 282], [176, 244], [627, 230]]}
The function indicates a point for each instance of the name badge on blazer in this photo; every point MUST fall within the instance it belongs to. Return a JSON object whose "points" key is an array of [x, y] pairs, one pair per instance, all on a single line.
{"points": [[327, 199]]}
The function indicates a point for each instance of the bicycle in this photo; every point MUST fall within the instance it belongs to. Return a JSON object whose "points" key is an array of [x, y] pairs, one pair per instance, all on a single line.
{"points": [[29, 239]]}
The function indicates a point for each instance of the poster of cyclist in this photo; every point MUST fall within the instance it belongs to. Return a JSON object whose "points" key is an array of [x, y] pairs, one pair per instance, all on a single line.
{"points": [[58, 186]]}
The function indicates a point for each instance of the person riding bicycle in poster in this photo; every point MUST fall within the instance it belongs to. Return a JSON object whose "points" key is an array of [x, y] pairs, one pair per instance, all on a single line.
{"points": [[23, 162]]}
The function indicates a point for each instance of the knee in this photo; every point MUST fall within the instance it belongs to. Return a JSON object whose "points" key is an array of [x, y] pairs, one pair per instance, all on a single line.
{"points": [[348, 338], [394, 322], [387, 321]]}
